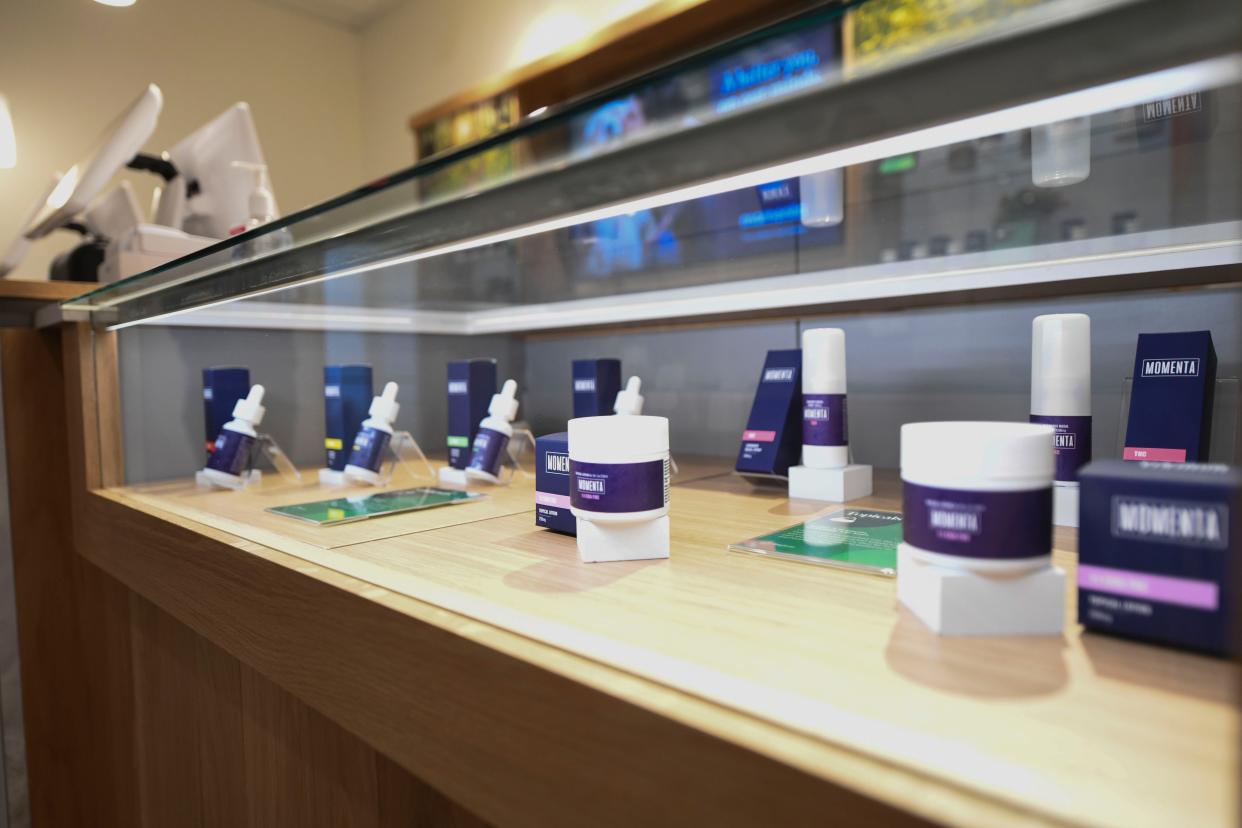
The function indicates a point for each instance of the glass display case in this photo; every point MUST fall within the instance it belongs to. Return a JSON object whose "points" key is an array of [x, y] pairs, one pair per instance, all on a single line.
{"points": [[928, 183]]}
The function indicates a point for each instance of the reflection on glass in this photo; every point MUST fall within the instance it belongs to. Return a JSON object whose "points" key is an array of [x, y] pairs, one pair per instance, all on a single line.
{"points": [[823, 198], [1061, 153]]}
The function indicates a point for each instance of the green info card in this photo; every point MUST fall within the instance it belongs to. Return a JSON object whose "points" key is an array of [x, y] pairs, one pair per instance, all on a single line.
{"points": [[348, 509], [864, 540]]}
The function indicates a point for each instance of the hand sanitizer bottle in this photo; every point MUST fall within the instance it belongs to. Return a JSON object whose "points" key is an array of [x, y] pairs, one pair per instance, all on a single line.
{"points": [[825, 440], [231, 457], [629, 401], [367, 454], [494, 432]]}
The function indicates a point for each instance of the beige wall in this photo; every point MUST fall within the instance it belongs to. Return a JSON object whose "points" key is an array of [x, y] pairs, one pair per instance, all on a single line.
{"points": [[330, 102], [68, 67], [421, 52]]}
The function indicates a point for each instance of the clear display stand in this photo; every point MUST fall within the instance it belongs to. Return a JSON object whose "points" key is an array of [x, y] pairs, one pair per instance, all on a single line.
{"points": [[522, 441], [1223, 447], [403, 451], [266, 446]]}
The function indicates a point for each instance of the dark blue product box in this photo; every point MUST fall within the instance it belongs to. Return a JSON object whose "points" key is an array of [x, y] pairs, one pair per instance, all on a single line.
{"points": [[1156, 543], [471, 385], [772, 441], [1171, 399], [596, 384], [222, 388], [347, 392], [552, 484]]}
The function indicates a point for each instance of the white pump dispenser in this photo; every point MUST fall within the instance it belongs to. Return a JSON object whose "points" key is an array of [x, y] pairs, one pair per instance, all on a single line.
{"points": [[367, 454], [629, 400], [262, 204], [231, 457], [495, 431], [823, 388]]}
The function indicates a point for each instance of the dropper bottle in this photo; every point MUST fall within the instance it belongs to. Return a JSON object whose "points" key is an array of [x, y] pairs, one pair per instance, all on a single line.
{"points": [[235, 445], [495, 431], [629, 400], [367, 454]]}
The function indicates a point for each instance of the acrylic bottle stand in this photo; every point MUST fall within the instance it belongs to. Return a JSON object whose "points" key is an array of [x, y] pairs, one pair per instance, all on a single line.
{"points": [[838, 485], [266, 446], [403, 451], [522, 441]]}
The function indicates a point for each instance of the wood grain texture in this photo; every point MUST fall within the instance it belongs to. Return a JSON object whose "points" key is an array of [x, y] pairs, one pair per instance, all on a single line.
{"points": [[1080, 729], [42, 291], [72, 618]]}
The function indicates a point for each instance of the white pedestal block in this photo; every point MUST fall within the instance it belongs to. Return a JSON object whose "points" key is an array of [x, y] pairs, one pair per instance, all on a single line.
{"points": [[599, 542], [956, 602], [455, 478], [1065, 504], [835, 485], [331, 477], [204, 481]]}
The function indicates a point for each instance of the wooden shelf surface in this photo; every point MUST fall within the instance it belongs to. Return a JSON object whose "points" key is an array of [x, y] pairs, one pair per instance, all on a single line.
{"points": [[817, 668], [41, 290]]}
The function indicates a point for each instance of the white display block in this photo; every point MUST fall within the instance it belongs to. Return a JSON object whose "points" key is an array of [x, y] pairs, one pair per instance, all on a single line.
{"points": [[1065, 504], [252, 478], [600, 542], [835, 485], [957, 602], [331, 477], [456, 478]]}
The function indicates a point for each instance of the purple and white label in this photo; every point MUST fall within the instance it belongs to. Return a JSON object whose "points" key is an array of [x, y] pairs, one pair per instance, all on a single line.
{"points": [[823, 420], [618, 487], [988, 525], [368, 450], [486, 452], [232, 452], [1071, 442]]}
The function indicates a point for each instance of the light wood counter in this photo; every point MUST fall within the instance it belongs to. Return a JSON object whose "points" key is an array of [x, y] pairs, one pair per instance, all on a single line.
{"points": [[812, 669]]}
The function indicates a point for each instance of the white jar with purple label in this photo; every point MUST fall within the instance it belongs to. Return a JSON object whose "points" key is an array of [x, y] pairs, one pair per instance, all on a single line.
{"points": [[619, 486], [978, 495]]}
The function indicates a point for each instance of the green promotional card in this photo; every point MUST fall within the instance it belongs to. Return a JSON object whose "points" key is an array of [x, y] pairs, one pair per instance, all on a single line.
{"points": [[864, 540], [347, 509]]}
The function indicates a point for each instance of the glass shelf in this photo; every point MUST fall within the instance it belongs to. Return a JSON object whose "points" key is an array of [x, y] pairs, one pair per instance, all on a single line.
{"points": [[800, 166]]}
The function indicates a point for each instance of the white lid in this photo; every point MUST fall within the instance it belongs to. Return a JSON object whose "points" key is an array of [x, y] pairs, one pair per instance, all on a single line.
{"points": [[385, 406], [505, 404], [823, 361], [1061, 365], [629, 401], [611, 439], [977, 454], [251, 407]]}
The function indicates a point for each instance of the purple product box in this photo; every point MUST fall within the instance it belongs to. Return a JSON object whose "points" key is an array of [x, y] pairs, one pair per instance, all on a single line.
{"points": [[1171, 400], [1156, 543], [596, 383], [552, 484], [772, 441]]}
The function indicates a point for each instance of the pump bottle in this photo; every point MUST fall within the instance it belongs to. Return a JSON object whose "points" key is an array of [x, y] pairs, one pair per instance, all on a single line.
{"points": [[825, 440], [1061, 388], [495, 431], [235, 445], [629, 400], [367, 454]]}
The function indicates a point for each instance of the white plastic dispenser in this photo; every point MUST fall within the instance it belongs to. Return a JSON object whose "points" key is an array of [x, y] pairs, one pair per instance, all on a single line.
{"points": [[977, 529], [823, 198], [619, 487], [1061, 152], [826, 472], [262, 204], [367, 455], [1061, 398], [495, 431], [629, 400], [230, 461]]}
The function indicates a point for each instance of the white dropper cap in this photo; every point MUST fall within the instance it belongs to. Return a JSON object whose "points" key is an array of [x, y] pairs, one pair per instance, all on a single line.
{"points": [[1061, 365], [262, 202], [823, 361], [629, 401], [385, 406], [250, 409], [505, 404]]}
